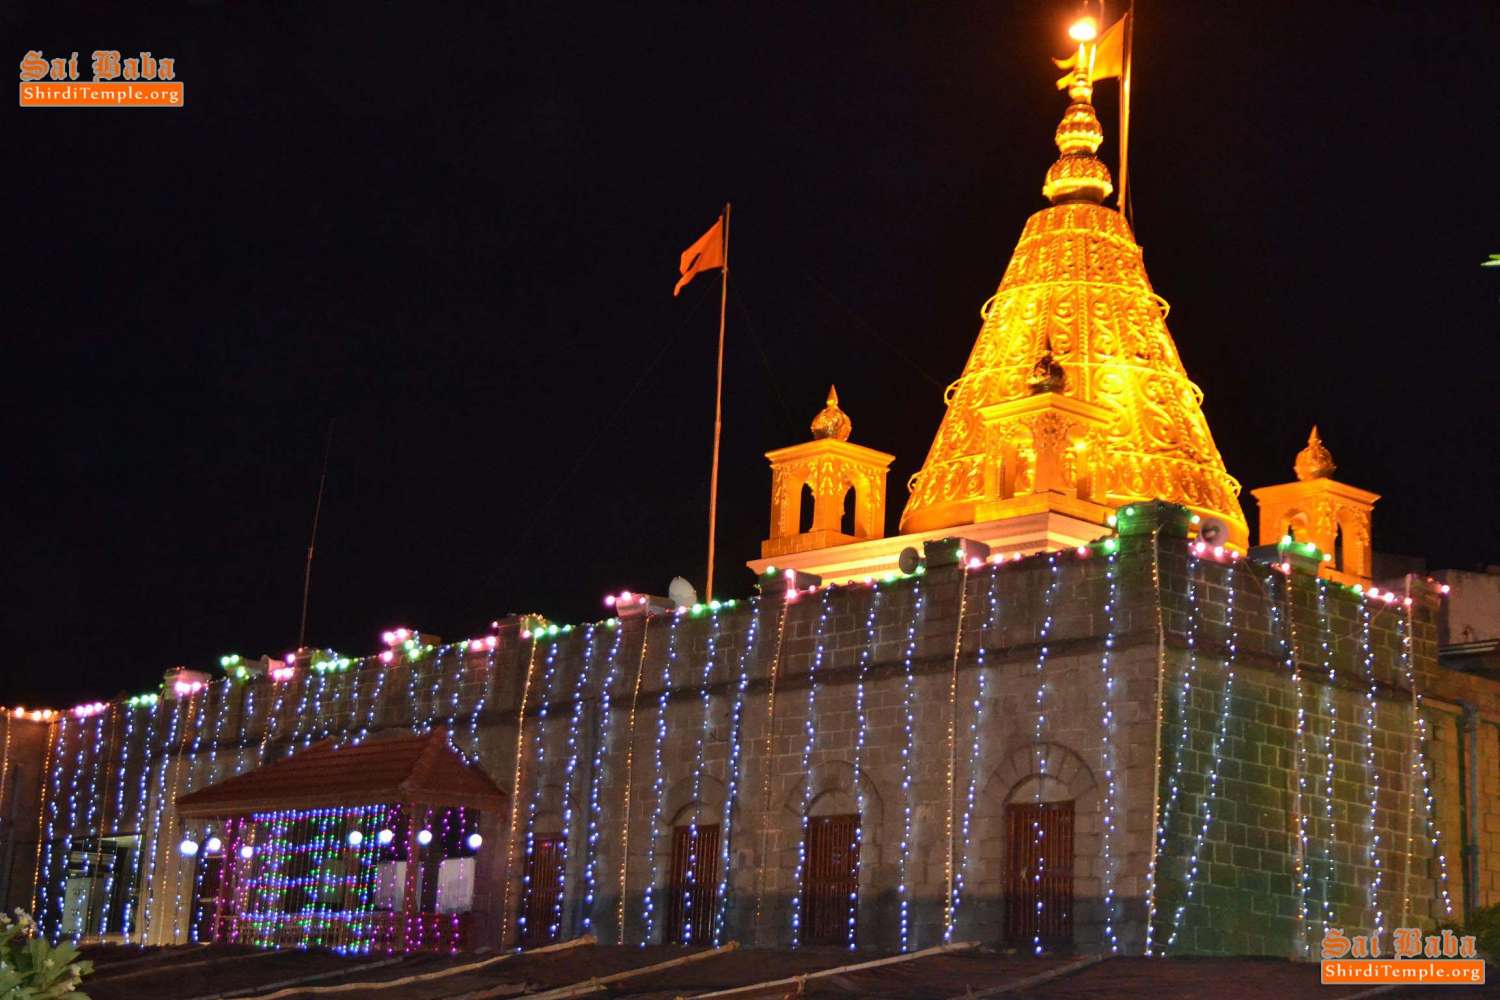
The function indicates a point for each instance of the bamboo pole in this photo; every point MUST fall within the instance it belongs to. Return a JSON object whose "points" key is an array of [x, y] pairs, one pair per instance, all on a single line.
{"points": [[424, 977], [797, 982], [601, 984], [1030, 981]]}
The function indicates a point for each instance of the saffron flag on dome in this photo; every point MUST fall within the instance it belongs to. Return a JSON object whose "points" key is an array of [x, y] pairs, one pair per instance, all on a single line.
{"points": [[706, 253], [1108, 60]]}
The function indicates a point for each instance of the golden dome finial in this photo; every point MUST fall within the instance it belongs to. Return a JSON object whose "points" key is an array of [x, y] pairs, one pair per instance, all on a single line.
{"points": [[1079, 175], [832, 422], [1315, 461]]}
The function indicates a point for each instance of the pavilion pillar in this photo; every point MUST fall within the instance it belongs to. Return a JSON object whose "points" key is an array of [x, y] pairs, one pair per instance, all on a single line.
{"points": [[411, 892]]}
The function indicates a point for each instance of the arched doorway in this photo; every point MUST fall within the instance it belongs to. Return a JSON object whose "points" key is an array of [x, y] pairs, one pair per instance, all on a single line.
{"points": [[693, 881], [831, 879], [1039, 906], [1044, 805]]}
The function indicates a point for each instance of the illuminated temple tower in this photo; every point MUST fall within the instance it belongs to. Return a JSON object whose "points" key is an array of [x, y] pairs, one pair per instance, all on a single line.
{"points": [[1073, 402]]}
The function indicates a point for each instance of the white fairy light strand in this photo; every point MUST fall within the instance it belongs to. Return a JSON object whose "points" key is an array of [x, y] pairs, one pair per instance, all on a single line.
{"points": [[596, 779], [202, 699], [1216, 753], [1372, 772], [539, 756], [976, 742], [658, 786], [128, 711], [137, 860], [861, 733], [908, 695], [1039, 757], [1107, 756], [156, 815], [704, 729], [570, 770], [1184, 732], [1328, 702], [1434, 834], [1283, 626], [810, 732], [732, 772]]}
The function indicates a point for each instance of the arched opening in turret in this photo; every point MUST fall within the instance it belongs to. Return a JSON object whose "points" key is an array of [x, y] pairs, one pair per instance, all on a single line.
{"points": [[805, 513], [847, 520], [1338, 548]]}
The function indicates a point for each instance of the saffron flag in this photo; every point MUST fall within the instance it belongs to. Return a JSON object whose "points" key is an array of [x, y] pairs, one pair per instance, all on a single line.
{"points": [[706, 253], [1108, 56]]}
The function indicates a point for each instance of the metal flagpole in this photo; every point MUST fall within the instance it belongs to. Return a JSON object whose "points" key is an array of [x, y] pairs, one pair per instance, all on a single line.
{"points": [[713, 479], [1128, 44], [313, 541]]}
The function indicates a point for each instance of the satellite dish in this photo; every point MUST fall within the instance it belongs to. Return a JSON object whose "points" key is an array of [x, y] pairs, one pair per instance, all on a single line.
{"points": [[682, 593], [909, 560], [1213, 531]]}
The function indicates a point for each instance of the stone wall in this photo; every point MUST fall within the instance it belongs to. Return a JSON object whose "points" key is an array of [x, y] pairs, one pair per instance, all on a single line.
{"points": [[1286, 849], [877, 690]]}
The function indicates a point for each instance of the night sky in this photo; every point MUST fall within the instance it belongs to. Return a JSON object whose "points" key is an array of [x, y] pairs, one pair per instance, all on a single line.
{"points": [[452, 230]]}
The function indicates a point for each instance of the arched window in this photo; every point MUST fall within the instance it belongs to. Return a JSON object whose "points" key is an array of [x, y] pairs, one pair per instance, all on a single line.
{"points": [[805, 514]]}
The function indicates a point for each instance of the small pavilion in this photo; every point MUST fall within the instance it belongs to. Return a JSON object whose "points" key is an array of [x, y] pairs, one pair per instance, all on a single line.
{"points": [[355, 846]]}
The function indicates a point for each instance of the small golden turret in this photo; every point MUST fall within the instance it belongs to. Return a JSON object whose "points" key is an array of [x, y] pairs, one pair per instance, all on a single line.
{"points": [[828, 468], [832, 422], [1315, 461], [1317, 508]]}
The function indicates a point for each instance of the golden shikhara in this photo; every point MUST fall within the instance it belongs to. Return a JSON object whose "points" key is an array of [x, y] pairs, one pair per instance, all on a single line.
{"points": [[1076, 295]]}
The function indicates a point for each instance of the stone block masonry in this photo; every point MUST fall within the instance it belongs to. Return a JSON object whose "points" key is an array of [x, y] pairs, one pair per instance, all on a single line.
{"points": [[1238, 751]]}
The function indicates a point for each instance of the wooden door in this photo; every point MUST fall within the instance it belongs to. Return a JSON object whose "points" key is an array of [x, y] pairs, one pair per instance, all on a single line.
{"points": [[207, 883], [693, 889], [542, 892], [1039, 905], [830, 884]]}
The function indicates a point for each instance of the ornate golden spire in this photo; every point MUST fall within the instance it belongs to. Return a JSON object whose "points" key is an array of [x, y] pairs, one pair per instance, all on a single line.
{"points": [[1314, 461], [1076, 292], [1078, 175], [832, 422]]}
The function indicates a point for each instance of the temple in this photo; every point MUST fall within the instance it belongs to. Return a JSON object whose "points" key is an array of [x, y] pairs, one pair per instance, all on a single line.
{"points": [[1068, 707], [1073, 401]]}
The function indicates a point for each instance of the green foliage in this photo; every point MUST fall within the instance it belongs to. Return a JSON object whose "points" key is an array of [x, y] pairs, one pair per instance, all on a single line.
{"points": [[33, 969], [1485, 926]]}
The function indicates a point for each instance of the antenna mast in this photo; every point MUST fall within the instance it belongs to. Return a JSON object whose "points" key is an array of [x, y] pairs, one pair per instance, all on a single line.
{"points": [[313, 541]]}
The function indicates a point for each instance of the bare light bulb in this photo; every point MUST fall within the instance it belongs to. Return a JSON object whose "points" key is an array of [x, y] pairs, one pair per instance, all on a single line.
{"points": [[1085, 29]]}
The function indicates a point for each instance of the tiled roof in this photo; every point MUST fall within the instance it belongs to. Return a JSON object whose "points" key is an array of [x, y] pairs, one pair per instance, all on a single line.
{"points": [[419, 768]]}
